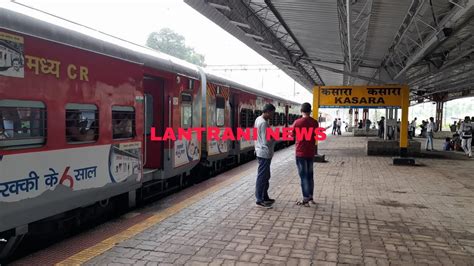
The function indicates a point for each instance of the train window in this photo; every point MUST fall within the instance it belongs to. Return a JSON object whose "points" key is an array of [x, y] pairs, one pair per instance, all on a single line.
{"points": [[82, 123], [220, 111], [281, 119], [22, 124], [148, 113], [123, 122], [250, 118], [274, 120], [243, 118], [186, 111]]}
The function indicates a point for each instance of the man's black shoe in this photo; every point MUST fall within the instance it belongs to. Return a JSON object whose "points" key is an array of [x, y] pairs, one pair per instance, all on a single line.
{"points": [[264, 205], [269, 201]]}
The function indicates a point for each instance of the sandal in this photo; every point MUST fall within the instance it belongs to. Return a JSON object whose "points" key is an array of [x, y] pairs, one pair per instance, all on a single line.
{"points": [[303, 203]]}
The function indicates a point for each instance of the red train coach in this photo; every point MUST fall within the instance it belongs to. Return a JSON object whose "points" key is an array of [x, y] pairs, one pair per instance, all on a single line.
{"points": [[76, 118]]}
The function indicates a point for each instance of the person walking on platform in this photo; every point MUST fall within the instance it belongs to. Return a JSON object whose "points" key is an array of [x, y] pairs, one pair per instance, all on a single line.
{"points": [[368, 123], [412, 128], [264, 150], [304, 153], [339, 125], [430, 129], [381, 125], [334, 126], [466, 132]]}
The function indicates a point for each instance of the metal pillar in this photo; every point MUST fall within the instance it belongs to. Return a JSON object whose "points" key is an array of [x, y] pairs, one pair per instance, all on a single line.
{"points": [[403, 159], [439, 114], [356, 116], [316, 90], [365, 114], [351, 111], [385, 126], [395, 133], [404, 126]]}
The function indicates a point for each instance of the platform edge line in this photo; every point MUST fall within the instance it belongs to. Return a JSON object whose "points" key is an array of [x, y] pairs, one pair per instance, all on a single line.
{"points": [[89, 253]]}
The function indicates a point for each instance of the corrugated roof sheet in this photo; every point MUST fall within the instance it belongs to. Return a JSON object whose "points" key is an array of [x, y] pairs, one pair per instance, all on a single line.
{"points": [[315, 25]]}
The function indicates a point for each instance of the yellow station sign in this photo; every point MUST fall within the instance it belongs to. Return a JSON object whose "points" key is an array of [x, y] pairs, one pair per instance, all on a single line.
{"points": [[361, 96], [365, 97]]}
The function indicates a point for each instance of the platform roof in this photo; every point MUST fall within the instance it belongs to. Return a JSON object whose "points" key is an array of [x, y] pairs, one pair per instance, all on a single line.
{"points": [[428, 44]]}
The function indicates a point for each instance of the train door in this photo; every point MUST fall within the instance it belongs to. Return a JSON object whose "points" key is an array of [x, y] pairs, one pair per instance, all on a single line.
{"points": [[154, 117]]}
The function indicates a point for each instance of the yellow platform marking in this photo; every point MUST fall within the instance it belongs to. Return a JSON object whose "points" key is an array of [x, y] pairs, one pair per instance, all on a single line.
{"points": [[101, 247]]}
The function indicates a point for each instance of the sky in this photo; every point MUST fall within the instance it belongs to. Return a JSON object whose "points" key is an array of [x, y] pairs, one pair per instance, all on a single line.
{"points": [[135, 20]]}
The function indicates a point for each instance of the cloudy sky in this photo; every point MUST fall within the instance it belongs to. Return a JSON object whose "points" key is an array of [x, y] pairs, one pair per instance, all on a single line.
{"points": [[135, 20]]}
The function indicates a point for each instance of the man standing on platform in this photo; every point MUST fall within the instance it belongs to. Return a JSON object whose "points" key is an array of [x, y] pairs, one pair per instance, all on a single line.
{"points": [[466, 132], [381, 125], [264, 150], [412, 128], [339, 125], [430, 129], [304, 151]]}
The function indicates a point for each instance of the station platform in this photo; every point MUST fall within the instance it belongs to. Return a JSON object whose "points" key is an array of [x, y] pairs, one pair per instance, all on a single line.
{"points": [[368, 212]]}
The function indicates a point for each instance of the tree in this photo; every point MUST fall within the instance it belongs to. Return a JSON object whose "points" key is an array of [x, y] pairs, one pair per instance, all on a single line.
{"points": [[169, 42]]}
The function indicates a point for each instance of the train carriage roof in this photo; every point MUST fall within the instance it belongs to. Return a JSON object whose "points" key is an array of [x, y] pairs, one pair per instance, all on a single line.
{"points": [[235, 85], [62, 31], [87, 39]]}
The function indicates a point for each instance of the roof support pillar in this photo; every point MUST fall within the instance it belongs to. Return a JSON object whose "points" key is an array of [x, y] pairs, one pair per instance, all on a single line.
{"points": [[439, 114], [349, 35]]}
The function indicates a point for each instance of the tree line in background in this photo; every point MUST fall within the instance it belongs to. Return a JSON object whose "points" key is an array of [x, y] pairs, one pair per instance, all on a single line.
{"points": [[169, 42]]}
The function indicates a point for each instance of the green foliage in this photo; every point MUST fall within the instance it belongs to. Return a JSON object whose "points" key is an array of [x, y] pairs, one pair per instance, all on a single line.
{"points": [[169, 42]]}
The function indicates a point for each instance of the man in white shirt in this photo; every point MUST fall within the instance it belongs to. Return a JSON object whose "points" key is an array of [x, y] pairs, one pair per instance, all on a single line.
{"points": [[466, 134], [430, 129], [264, 151]]}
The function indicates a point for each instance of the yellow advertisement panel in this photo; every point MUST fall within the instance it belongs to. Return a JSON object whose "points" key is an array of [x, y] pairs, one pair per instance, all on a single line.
{"points": [[360, 96]]}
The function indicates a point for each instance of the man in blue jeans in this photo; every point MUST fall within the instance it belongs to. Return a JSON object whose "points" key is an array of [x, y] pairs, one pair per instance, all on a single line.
{"points": [[304, 151], [264, 151]]}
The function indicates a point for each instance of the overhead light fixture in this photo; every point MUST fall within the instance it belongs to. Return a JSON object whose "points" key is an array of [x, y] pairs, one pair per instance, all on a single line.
{"points": [[221, 7], [240, 24], [264, 44], [270, 49], [254, 36]]}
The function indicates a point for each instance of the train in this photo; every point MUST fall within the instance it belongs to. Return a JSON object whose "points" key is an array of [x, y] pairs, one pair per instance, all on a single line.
{"points": [[76, 112]]}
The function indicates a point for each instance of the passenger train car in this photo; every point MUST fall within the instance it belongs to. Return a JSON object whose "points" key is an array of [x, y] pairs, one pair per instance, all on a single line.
{"points": [[76, 119]]}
